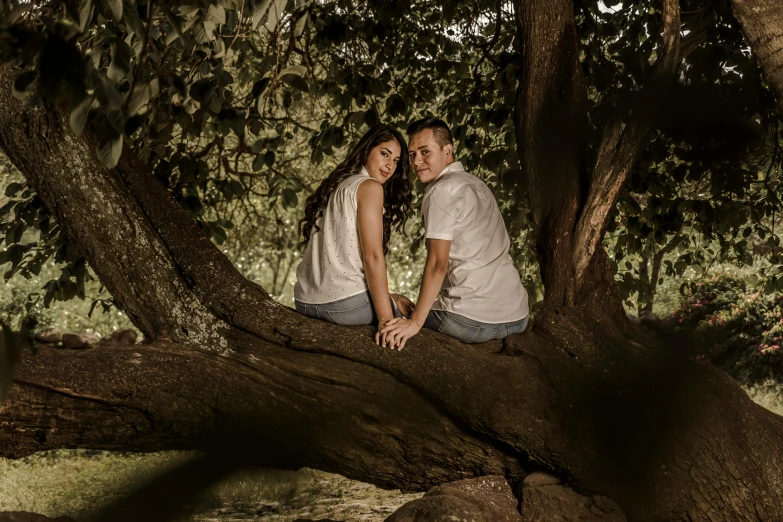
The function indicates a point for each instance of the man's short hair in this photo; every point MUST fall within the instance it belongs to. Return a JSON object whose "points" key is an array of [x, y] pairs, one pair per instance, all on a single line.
{"points": [[440, 130]]}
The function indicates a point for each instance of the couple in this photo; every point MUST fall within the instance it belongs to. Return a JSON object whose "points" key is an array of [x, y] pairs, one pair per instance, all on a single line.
{"points": [[470, 289]]}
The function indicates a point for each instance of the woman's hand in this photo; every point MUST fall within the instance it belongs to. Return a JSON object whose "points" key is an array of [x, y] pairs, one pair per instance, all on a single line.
{"points": [[398, 331], [381, 325]]}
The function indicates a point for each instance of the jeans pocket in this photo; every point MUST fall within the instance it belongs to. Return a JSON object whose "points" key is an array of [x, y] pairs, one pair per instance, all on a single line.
{"points": [[302, 309], [362, 314], [517, 326], [467, 333]]}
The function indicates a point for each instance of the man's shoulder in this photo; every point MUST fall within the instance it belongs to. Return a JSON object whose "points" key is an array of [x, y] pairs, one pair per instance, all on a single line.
{"points": [[452, 181]]}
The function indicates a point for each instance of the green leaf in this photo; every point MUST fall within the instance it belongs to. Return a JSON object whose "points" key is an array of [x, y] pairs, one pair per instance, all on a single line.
{"points": [[258, 163], [371, 118], [120, 60], [142, 94], [301, 24], [296, 82], [109, 151], [194, 204], [78, 117], [276, 12], [175, 25], [298, 70], [85, 14], [215, 14], [290, 199], [395, 105], [116, 9], [23, 82], [12, 189], [260, 86], [236, 187], [218, 233], [116, 119], [260, 8]]}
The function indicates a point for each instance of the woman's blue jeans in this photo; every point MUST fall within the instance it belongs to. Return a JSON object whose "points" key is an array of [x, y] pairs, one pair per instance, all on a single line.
{"points": [[470, 331], [353, 310]]}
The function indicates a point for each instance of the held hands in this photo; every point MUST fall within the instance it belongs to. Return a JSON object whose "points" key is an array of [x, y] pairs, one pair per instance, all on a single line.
{"points": [[381, 340], [396, 332]]}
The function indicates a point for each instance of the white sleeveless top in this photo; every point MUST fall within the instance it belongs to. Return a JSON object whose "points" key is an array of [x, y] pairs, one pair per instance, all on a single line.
{"points": [[332, 268]]}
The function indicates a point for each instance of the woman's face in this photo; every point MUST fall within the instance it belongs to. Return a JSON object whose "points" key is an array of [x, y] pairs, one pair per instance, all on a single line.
{"points": [[382, 161]]}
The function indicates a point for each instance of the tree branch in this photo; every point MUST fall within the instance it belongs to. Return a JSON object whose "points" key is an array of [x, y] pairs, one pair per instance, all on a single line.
{"points": [[762, 24], [622, 143]]}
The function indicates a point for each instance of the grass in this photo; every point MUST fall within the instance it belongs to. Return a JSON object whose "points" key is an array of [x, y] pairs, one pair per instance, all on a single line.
{"points": [[76, 483]]}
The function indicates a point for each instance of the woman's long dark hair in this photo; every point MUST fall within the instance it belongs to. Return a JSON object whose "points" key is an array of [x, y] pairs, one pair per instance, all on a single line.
{"points": [[397, 194]]}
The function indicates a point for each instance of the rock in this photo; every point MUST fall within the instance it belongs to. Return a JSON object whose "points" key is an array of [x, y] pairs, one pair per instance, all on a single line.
{"points": [[78, 341], [24, 516], [557, 503], [126, 336], [482, 499], [52, 335], [541, 478]]}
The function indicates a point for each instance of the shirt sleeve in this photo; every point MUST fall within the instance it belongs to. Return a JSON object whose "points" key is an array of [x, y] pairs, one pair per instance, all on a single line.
{"points": [[441, 211]]}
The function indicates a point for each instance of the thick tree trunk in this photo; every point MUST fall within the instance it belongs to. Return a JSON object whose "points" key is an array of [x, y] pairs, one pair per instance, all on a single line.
{"points": [[667, 438], [762, 23], [551, 124]]}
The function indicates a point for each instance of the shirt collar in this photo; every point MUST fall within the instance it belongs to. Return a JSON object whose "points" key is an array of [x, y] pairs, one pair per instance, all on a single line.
{"points": [[454, 165], [364, 172]]}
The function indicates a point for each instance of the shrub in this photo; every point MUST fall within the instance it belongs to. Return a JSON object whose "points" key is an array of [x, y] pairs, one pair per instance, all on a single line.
{"points": [[739, 329]]}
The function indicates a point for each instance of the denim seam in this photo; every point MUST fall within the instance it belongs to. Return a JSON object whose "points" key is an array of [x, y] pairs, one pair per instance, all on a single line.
{"points": [[350, 309], [331, 312], [471, 326]]}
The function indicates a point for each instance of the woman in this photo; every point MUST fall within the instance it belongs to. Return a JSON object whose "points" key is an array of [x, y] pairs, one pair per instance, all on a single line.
{"points": [[347, 224]]}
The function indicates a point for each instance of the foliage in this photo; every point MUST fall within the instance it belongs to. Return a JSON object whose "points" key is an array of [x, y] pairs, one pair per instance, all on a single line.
{"points": [[739, 329], [707, 188], [240, 107]]}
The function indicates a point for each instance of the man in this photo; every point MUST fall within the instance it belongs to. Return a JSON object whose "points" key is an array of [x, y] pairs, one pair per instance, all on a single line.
{"points": [[470, 289]]}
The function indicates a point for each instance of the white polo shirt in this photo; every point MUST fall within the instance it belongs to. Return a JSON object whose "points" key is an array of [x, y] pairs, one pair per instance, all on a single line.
{"points": [[482, 282]]}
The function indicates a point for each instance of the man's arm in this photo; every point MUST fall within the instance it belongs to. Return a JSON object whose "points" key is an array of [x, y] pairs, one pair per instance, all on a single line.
{"points": [[398, 331]]}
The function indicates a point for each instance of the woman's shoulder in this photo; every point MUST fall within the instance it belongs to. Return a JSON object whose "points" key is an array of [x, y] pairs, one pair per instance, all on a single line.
{"points": [[369, 192], [353, 180]]}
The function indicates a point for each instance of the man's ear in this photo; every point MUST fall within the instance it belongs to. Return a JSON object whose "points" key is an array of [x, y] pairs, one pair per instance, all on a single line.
{"points": [[450, 149]]}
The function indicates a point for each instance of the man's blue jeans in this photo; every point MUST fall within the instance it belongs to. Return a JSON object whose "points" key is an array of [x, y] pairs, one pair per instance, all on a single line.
{"points": [[353, 310], [470, 331]]}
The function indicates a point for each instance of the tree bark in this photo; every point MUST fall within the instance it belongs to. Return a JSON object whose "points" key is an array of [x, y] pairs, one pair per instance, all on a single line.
{"points": [[579, 395], [622, 143], [550, 124], [762, 23]]}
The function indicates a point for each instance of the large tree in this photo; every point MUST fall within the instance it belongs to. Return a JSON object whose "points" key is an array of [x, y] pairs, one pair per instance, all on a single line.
{"points": [[583, 395]]}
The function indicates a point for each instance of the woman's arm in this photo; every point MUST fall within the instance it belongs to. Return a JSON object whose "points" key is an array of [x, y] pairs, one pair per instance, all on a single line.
{"points": [[369, 200]]}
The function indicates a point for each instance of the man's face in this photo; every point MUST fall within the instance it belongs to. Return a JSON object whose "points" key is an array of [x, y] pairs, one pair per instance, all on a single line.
{"points": [[427, 157]]}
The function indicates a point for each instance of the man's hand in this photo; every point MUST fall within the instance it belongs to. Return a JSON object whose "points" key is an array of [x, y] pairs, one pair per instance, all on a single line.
{"points": [[398, 331]]}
